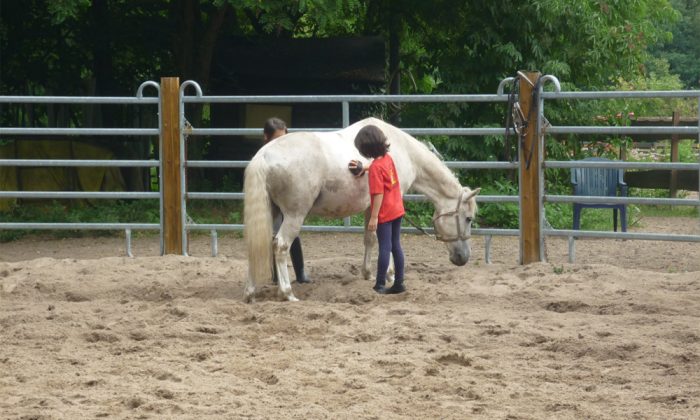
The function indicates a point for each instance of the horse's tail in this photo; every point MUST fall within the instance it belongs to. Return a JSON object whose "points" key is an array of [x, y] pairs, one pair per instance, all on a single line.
{"points": [[258, 224]]}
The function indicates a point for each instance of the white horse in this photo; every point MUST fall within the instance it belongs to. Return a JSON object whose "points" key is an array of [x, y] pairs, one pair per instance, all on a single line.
{"points": [[305, 173]]}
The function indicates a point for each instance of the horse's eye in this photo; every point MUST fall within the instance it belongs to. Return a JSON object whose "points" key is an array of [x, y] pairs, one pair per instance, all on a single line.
{"points": [[469, 219]]}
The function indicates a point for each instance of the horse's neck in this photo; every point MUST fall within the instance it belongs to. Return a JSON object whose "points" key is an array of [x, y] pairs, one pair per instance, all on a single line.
{"points": [[433, 178]]}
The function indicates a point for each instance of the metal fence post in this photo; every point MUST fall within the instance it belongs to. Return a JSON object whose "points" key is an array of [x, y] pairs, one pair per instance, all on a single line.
{"points": [[172, 180], [530, 168], [346, 122]]}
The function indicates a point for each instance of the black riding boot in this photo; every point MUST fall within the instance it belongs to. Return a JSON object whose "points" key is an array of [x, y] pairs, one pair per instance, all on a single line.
{"points": [[298, 261]]}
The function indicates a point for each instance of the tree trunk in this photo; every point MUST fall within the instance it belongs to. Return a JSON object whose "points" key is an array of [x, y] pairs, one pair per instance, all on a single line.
{"points": [[196, 51], [394, 64]]}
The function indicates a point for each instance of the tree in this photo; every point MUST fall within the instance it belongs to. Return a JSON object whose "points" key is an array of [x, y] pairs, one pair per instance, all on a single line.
{"points": [[108, 47], [683, 52]]}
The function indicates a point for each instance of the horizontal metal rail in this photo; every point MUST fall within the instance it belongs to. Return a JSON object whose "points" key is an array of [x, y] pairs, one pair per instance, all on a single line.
{"points": [[598, 129], [479, 198], [81, 226], [344, 98], [407, 197], [215, 196], [484, 131], [108, 100], [452, 165], [620, 165], [623, 94], [355, 229], [79, 163], [622, 235], [80, 194], [621, 200], [48, 131]]}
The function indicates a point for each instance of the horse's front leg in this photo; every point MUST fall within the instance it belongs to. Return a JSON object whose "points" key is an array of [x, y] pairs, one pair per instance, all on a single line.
{"points": [[369, 240], [390, 277], [288, 231]]}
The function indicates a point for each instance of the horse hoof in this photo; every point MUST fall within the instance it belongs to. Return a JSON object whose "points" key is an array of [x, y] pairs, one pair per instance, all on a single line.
{"points": [[292, 298]]}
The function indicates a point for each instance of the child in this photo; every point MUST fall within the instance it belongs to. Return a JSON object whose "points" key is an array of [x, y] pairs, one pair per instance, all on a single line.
{"points": [[386, 204], [275, 127]]}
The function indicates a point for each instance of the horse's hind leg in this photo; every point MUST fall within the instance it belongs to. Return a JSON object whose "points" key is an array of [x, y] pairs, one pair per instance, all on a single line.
{"points": [[249, 291], [276, 223], [288, 231]]}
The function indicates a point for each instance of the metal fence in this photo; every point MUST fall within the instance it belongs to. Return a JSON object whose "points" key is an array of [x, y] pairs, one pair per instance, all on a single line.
{"points": [[624, 131], [344, 102], [139, 99]]}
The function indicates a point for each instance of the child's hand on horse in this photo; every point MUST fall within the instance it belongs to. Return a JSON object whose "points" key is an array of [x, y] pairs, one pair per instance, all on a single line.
{"points": [[356, 167]]}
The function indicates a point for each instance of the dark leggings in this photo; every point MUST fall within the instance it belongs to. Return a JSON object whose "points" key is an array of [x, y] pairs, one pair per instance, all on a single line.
{"points": [[297, 258], [389, 236]]}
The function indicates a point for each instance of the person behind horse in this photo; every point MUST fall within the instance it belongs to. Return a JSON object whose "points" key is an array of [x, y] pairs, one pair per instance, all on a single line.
{"points": [[386, 204], [275, 127]]}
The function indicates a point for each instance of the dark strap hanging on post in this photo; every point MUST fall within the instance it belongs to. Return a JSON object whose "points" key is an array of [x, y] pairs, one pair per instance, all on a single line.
{"points": [[516, 118]]}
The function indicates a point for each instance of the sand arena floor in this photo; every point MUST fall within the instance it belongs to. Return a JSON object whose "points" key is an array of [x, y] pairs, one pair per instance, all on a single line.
{"points": [[88, 333]]}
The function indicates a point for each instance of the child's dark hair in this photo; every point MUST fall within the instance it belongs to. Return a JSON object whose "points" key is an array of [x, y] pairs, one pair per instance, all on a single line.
{"points": [[274, 124], [371, 142]]}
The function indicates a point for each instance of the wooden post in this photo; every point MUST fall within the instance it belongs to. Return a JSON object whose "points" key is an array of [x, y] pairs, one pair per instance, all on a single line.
{"points": [[674, 156], [170, 124], [529, 153]]}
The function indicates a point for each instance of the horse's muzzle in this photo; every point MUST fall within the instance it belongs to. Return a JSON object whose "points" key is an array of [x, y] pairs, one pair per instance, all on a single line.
{"points": [[459, 255], [459, 260]]}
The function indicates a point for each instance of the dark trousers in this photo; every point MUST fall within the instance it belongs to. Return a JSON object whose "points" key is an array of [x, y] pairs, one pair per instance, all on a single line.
{"points": [[389, 237], [297, 258]]}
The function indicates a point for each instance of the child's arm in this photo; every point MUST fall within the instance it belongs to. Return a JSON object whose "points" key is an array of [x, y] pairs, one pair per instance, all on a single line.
{"points": [[374, 217]]}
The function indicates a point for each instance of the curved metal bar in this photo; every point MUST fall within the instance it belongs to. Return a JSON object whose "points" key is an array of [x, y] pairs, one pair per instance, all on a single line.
{"points": [[139, 91], [553, 79], [197, 88], [501, 85], [184, 129]]}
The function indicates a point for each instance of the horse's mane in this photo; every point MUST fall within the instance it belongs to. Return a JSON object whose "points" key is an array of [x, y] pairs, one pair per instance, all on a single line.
{"points": [[427, 165]]}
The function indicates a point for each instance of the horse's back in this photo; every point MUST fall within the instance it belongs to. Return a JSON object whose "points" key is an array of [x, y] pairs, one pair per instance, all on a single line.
{"points": [[308, 172]]}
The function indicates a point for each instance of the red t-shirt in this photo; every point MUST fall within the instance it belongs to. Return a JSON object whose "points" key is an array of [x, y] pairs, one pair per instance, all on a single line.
{"points": [[383, 180]]}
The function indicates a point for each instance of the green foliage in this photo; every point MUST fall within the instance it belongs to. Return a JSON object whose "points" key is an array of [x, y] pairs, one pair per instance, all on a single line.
{"points": [[683, 52], [446, 46], [499, 215], [137, 211], [215, 211], [62, 10]]}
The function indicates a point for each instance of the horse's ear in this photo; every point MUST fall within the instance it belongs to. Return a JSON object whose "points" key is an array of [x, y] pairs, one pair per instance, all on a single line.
{"points": [[471, 193]]}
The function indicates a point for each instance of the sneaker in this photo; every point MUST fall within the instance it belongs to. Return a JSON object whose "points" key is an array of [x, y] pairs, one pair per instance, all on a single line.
{"points": [[381, 290], [396, 289]]}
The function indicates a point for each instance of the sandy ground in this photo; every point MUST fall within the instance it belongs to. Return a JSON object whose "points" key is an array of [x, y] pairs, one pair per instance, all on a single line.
{"points": [[88, 333]]}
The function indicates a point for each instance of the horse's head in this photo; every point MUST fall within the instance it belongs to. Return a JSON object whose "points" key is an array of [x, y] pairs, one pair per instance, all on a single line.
{"points": [[453, 224]]}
